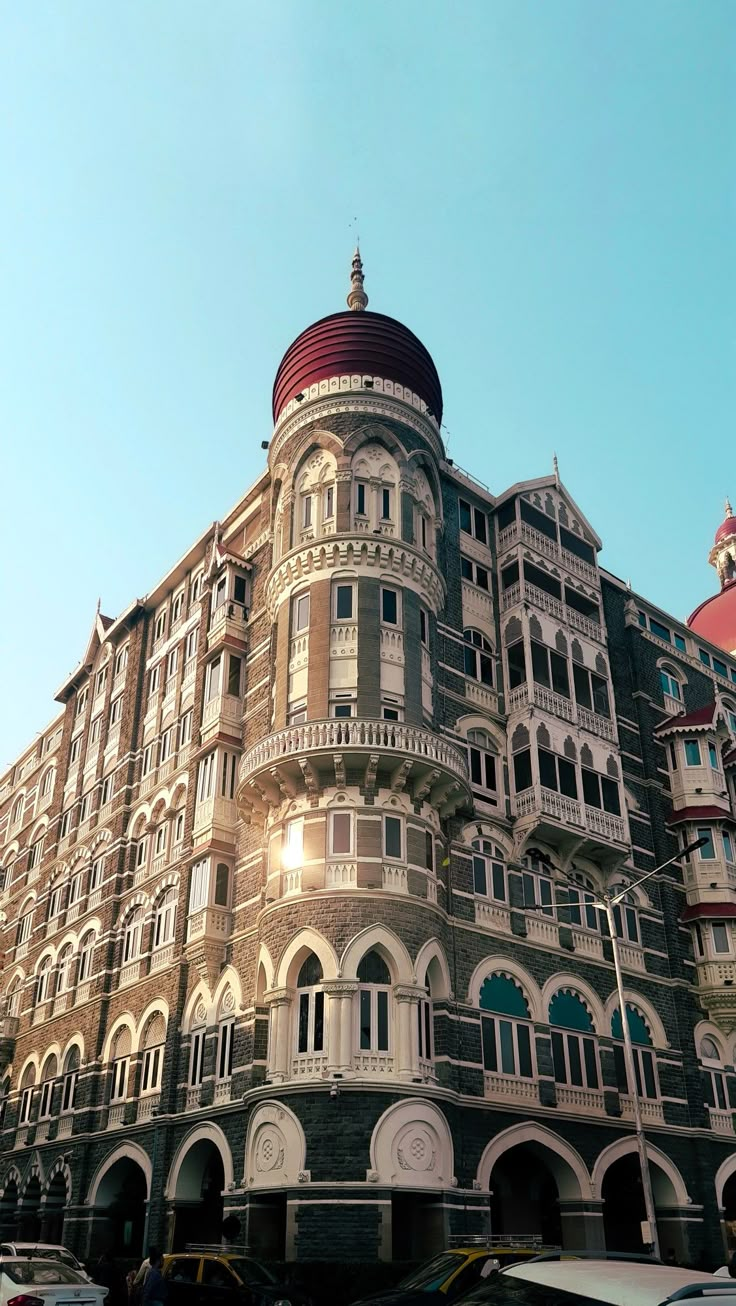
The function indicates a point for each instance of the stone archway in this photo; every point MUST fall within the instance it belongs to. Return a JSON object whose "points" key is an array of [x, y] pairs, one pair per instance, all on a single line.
{"points": [[617, 1177], [29, 1211], [538, 1187], [52, 1223], [119, 1194], [201, 1170], [9, 1211]]}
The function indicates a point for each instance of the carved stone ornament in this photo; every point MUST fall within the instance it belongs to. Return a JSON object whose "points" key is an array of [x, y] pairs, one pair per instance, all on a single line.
{"points": [[228, 1002], [371, 1176], [200, 1014], [270, 1149], [304, 1177], [416, 1150]]}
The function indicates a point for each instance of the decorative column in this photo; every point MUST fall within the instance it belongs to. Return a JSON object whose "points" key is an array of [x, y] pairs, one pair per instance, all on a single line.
{"points": [[407, 1053], [340, 995], [279, 1004]]}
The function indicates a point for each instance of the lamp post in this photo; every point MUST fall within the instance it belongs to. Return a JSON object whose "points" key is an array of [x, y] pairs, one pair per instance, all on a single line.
{"points": [[608, 904]]}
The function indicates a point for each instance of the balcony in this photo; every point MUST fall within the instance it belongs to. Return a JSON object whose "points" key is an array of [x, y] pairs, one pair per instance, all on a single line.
{"points": [[222, 1091], [395, 878], [309, 1067], [373, 1063], [132, 972], [721, 1121], [522, 532], [631, 956], [652, 1113], [116, 1115], [193, 1098], [387, 754], [214, 818], [477, 604], [512, 1087], [586, 1100], [212, 921], [148, 1106], [162, 957], [563, 820], [492, 915], [227, 622], [524, 592], [65, 1126]]}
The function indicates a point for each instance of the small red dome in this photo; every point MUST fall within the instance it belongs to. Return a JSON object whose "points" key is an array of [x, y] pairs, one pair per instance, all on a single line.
{"points": [[367, 344], [715, 619], [728, 527]]}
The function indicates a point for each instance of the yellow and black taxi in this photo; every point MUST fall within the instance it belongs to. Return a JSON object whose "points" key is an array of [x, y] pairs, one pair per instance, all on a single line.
{"points": [[226, 1279], [450, 1275]]}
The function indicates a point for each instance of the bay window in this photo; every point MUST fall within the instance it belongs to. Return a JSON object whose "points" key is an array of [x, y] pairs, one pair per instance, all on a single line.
{"points": [[196, 1058], [340, 842], [549, 669], [600, 791], [557, 773]]}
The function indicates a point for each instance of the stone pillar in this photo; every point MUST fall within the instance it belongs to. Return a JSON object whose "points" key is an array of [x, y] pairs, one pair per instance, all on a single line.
{"points": [[407, 1051], [582, 1225], [279, 1004], [339, 994], [680, 1228]]}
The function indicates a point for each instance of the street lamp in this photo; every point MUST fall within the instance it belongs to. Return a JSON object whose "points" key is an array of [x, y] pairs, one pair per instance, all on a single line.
{"points": [[608, 904]]}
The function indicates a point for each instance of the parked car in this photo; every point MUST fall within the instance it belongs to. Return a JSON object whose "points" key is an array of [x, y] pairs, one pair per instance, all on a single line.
{"points": [[226, 1279], [448, 1275], [40, 1281], [45, 1251], [588, 1281]]}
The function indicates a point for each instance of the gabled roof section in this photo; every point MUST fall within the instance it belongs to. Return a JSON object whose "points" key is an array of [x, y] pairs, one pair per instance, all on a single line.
{"points": [[701, 717], [97, 634], [704, 813], [220, 554], [552, 482]]}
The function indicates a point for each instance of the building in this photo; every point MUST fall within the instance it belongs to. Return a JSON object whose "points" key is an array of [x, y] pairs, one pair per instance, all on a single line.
{"points": [[299, 918]]}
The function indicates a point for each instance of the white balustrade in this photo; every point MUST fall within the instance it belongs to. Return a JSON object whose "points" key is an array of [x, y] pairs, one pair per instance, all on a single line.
{"points": [[21, 1136], [148, 1106], [721, 1121], [587, 942], [510, 1086], [542, 929], [82, 994], [392, 645], [373, 1063], [309, 1066], [492, 915], [631, 956], [605, 823], [116, 1115], [293, 881], [130, 973], [395, 878], [580, 1099], [162, 957], [353, 733], [596, 724], [586, 625], [193, 1098], [222, 1090], [652, 1113], [159, 862], [65, 1126], [42, 1131], [341, 875]]}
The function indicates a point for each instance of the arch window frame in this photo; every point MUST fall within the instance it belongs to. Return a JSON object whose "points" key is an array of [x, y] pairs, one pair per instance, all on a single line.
{"points": [[716, 1091], [538, 885], [86, 956], [68, 1085], [374, 1013], [164, 920], [133, 936], [670, 682], [225, 1048], [46, 1097], [645, 1059], [484, 765], [44, 981], [477, 656], [119, 1082], [311, 1011], [65, 971], [582, 911], [490, 874], [26, 1103], [575, 1051], [195, 1074], [507, 1039]]}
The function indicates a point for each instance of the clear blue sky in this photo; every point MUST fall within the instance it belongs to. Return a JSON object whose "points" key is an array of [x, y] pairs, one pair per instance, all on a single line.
{"points": [[546, 195]]}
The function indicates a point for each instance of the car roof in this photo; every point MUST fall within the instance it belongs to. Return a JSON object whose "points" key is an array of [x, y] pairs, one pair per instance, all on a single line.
{"points": [[619, 1283]]}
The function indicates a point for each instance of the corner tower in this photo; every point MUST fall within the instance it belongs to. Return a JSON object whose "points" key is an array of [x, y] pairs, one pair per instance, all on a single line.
{"points": [[715, 619]]}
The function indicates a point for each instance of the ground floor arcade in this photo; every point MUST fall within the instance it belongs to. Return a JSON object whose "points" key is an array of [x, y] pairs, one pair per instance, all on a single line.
{"points": [[277, 1182]]}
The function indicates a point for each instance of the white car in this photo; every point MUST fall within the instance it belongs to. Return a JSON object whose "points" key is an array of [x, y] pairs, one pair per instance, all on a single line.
{"points": [[589, 1281], [31, 1281], [45, 1252]]}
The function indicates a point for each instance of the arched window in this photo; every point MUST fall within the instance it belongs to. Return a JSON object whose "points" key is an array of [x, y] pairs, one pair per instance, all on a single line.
{"points": [[48, 1077], [671, 681], [76, 889], [65, 972], [120, 1061], [69, 1083], [35, 853], [714, 1079], [507, 1033], [626, 916], [133, 935], [225, 1045], [729, 708], [17, 812], [27, 1084], [478, 657], [482, 760], [164, 923], [645, 1065], [154, 1039], [44, 977], [375, 493], [374, 992], [47, 784], [86, 956], [582, 910], [489, 870], [538, 883], [25, 924], [4, 1093], [15, 992], [574, 1045], [310, 1008]]}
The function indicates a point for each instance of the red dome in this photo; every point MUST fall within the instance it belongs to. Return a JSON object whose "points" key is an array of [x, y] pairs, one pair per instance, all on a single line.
{"points": [[728, 527], [715, 619], [368, 344]]}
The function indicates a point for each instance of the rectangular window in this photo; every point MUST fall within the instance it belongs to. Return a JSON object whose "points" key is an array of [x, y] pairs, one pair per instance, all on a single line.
{"points": [[100, 679], [389, 607], [227, 783], [177, 607], [151, 1075], [306, 511], [704, 657], [680, 643], [692, 753], [26, 1102], [707, 852], [360, 499], [239, 589], [342, 709], [66, 823], [713, 755], [121, 660], [297, 712], [477, 575], [482, 769], [190, 645], [24, 928], [119, 1086], [185, 729], [341, 834], [557, 773], [423, 635], [69, 1091], [160, 627], [343, 602], [385, 504], [75, 750], [95, 875], [199, 885], [34, 856], [196, 588], [84, 808], [154, 680], [196, 1058], [659, 630], [506, 1047], [720, 667], [727, 846], [721, 938], [522, 770], [225, 1049], [393, 842], [213, 679], [116, 711], [81, 701], [517, 664], [550, 669], [234, 668], [167, 744], [329, 503], [178, 829], [299, 613], [466, 517], [292, 854], [148, 755], [95, 730], [206, 778]]}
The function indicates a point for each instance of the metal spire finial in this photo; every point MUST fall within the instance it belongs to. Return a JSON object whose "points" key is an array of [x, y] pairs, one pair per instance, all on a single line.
{"points": [[729, 509], [556, 467], [357, 299]]}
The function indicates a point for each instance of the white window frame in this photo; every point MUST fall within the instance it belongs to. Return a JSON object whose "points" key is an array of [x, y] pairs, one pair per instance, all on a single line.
{"points": [[374, 990], [119, 1084], [26, 1105], [392, 625], [401, 855], [86, 956], [199, 885], [300, 613], [196, 1057], [185, 729], [133, 937], [338, 814], [152, 1069], [164, 921], [225, 1042]]}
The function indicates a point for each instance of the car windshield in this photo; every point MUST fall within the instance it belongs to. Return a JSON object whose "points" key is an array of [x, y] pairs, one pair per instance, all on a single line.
{"points": [[430, 1277], [40, 1272], [55, 1254], [250, 1271]]}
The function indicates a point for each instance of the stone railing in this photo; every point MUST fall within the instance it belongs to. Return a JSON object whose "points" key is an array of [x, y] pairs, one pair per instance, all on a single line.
{"points": [[631, 956], [605, 823], [223, 1090], [339, 875], [580, 1099], [587, 942], [522, 531], [338, 733], [116, 1115], [193, 1098], [373, 1063], [65, 1126], [652, 1113], [293, 881], [395, 878], [524, 591], [130, 973], [721, 1121], [148, 1106], [510, 1086], [492, 915], [162, 957], [540, 801], [309, 1066]]}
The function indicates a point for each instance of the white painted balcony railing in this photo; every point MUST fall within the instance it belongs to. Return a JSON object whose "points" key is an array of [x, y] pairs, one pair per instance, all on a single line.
{"points": [[44, 801], [395, 878], [555, 607], [595, 723], [353, 733], [631, 956], [21, 1136], [713, 974], [339, 875], [193, 1098], [586, 625], [293, 881], [721, 1121], [106, 809], [542, 929], [492, 915], [61, 1004], [116, 1115], [162, 957], [95, 898], [483, 695], [118, 683], [65, 1126], [42, 1131], [130, 973], [148, 1106], [510, 1086], [190, 671], [373, 1063], [82, 994], [73, 912], [673, 706], [159, 862], [165, 768], [213, 810], [309, 1067], [580, 1099], [147, 783], [548, 802], [652, 1113], [605, 823], [223, 1090], [113, 738], [587, 942], [523, 531], [431, 889]]}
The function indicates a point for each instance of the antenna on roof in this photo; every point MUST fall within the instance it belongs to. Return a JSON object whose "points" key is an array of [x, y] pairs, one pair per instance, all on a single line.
{"points": [[556, 468]]}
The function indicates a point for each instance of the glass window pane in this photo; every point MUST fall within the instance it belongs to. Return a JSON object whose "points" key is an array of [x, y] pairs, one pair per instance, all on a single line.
{"points": [[389, 607], [479, 874], [576, 1065], [692, 752], [303, 1042], [499, 882], [547, 769], [650, 1082], [344, 606], [392, 826], [558, 1057], [707, 852], [523, 1039], [365, 1019], [382, 1021], [568, 778], [508, 1060], [341, 832], [319, 1020], [591, 1063], [720, 1086], [488, 1033]]}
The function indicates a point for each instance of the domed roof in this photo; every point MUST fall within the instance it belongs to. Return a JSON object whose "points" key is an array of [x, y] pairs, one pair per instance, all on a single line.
{"points": [[727, 527], [715, 619], [357, 343]]}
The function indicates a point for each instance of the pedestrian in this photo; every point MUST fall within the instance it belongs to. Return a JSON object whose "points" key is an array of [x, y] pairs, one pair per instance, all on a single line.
{"points": [[155, 1287], [136, 1290]]}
